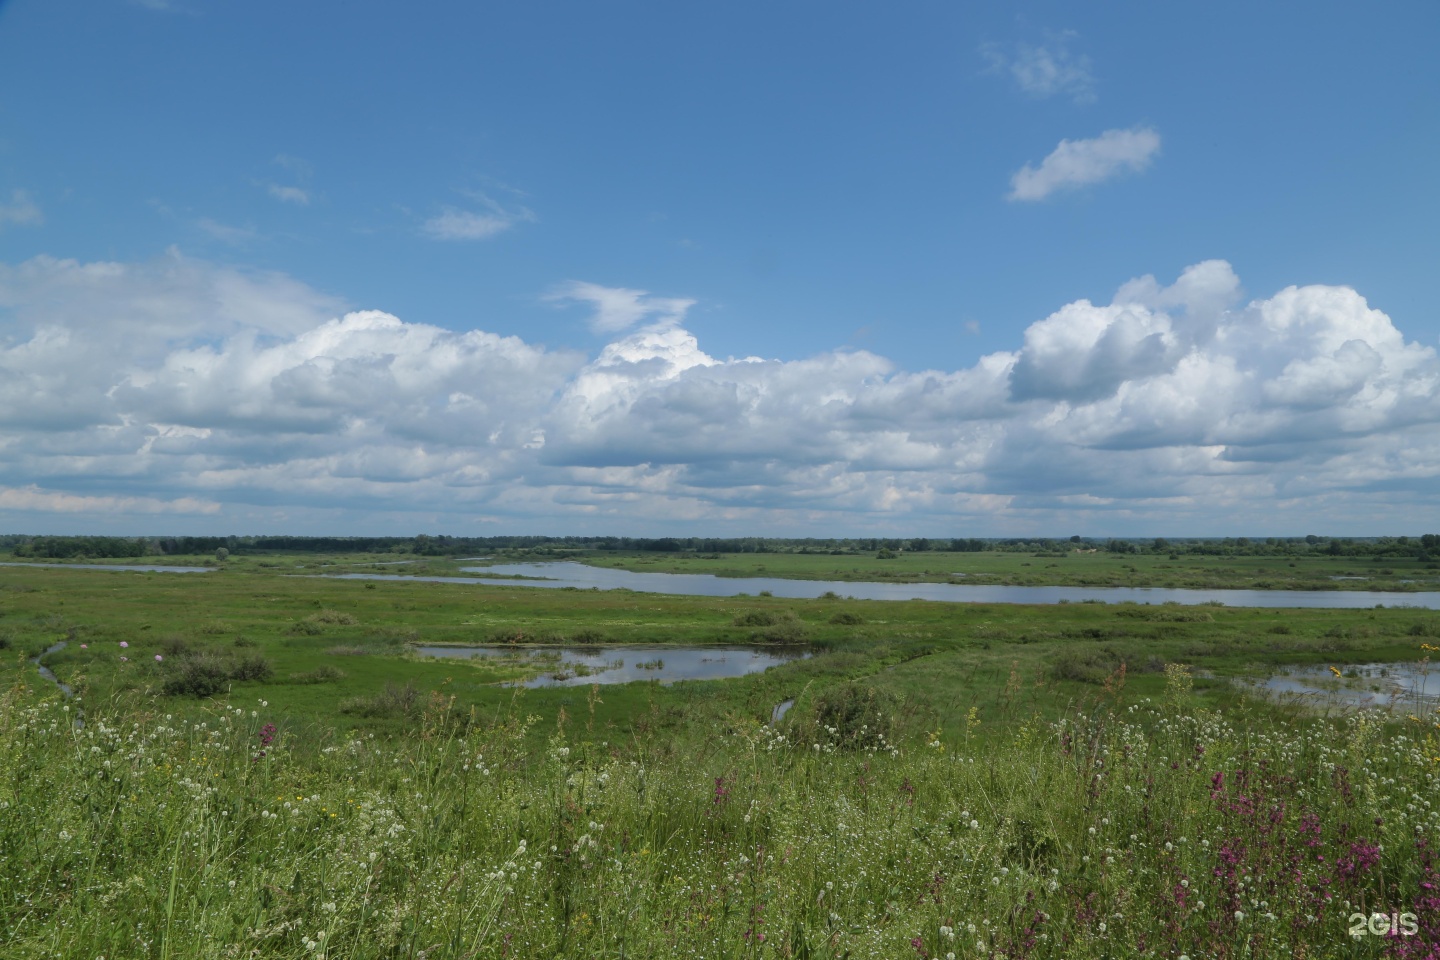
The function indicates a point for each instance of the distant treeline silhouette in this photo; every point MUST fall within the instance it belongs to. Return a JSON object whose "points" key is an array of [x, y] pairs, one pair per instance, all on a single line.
{"points": [[1424, 548]]}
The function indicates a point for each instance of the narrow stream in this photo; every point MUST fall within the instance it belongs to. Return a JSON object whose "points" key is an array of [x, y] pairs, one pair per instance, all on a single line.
{"points": [[65, 689]]}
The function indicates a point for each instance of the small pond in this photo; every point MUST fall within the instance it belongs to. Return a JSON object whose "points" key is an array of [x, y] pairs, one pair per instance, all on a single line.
{"points": [[581, 666], [1399, 686]]}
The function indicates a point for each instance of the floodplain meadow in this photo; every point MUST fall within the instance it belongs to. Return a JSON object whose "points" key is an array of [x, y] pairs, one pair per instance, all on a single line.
{"points": [[1076, 781]]}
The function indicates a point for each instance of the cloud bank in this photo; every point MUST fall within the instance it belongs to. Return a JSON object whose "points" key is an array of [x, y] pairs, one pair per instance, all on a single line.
{"points": [[183, 388], [1078, 163]]}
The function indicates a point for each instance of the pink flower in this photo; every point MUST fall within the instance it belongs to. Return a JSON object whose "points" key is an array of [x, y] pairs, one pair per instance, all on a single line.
{"points": [[158, 658], [84, 646], [123, 644]]}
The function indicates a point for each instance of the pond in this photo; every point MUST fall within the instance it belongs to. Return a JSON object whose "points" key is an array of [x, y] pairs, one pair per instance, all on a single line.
{"points": [[567, 573], [580, 666], [1406, 687], [143, 568]]}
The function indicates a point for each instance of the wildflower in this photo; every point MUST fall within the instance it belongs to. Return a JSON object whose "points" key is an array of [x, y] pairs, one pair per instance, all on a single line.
{"points": [[158, 658], [124, 659], [123, 644], [1239, 915], [84, 646]]}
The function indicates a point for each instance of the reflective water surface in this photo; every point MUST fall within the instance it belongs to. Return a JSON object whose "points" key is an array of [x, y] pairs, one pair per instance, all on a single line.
{"points": [[579, 666], [567, 573]]}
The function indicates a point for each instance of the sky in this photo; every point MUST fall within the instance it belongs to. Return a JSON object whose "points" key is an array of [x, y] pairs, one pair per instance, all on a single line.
{"points": [[787, 268]]}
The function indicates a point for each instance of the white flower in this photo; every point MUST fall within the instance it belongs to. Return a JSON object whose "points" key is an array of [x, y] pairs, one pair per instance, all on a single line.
{"points": [[974, 824], [1239, 915]]}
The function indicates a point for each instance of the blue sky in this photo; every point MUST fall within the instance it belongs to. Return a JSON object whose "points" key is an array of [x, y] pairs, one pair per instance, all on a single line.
{"points": [[796, 267]]}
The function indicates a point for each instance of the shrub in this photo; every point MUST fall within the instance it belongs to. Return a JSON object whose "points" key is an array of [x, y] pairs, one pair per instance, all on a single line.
{"points": [[252, 667], [778, 626], [393, 701], [855, 717], [847, 619], [205, 673], [1093, 665], [201, 675], [321, 674], [333, 618], [175, 645]]}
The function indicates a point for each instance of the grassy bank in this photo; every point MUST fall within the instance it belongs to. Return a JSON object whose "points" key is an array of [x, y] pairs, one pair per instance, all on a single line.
{"points": [[1075, 568]]}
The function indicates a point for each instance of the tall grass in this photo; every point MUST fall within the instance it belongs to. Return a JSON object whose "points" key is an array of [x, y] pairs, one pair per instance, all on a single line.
{"points": [[1149, 829]]}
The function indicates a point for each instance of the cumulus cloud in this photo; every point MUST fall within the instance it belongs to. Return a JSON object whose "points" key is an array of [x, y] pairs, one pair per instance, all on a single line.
{"points": [[1078, 163], [22, 210], [183, 387], [619, 308], [1044, 70]]}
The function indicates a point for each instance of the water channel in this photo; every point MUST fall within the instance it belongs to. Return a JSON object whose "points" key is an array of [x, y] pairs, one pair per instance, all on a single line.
{"points": [[567, 573]]}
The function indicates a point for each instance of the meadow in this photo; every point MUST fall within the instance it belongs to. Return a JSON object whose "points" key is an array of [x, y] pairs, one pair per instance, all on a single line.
{"points": [[1088, 567], [1079, 780]]}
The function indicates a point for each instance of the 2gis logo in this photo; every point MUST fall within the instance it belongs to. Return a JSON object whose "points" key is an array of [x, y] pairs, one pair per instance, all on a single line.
{"points": [[1384, 924]]}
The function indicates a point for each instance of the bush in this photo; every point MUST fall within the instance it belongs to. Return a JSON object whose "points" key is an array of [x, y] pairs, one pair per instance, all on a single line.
{"points": [[333, 618], [175, 646], [847, 619], [777, 626], [321, 674], [204, 673], [1095, 664], [855, 717], [252, 667], [393, 701], [201, 675]]}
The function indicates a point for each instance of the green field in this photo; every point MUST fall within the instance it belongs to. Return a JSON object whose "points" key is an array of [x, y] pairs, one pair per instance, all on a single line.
{"points": [[983, 780], [1077, 568]]}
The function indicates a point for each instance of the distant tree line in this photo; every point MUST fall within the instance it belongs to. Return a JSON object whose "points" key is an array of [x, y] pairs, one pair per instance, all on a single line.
{"points": [[1423, 548]]}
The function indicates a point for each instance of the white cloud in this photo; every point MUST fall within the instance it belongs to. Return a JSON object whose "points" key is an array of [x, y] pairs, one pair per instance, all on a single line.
{"points": [[22, 210], [33, 499], [1045, 70], [178, 385], [286, 194], [619, 308], [1077, 163], [226, 233], [455, 224]]}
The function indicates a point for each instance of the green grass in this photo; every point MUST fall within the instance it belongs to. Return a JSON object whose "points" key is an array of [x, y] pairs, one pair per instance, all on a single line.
{"points": [[1104, 834], [1077, 569], [381, 798]]}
